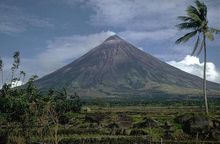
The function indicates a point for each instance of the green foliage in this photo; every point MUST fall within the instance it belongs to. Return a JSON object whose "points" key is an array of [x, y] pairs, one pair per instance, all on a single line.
{"points": [[196, 20], [24, 108]]}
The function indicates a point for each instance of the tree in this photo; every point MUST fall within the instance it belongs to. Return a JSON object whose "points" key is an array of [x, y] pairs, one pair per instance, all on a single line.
{"points": [[16, 64], [31, 89], [196, 21], [22, 75], [1, 70]]}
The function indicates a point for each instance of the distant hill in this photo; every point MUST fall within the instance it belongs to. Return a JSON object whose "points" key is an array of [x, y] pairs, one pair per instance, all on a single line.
{"points": [[116, 68]]}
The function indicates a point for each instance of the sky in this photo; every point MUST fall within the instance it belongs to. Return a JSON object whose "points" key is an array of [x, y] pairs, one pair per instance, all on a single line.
{"points": [[52, 33]]}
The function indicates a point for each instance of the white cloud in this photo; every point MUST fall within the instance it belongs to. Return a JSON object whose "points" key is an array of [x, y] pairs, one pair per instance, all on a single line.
{"points": [[147, 20], [191, 64], [16, 84], [147, 23], [140, 48], [135, 14], [140, 36], [143, 14]]}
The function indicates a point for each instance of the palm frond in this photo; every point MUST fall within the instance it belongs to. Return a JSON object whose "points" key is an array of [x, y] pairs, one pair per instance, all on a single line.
{"points": [[187, 25], [214, 30], [195, 17], [191, 10], [196, 45], [202, 9], [186, 37], [185, 18], [209, 35]]}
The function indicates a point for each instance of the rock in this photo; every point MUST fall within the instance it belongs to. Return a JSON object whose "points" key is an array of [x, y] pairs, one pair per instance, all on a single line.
{"points": [[197, 124], [94, 118], [183, 118], [123, 120], [146, 123]]}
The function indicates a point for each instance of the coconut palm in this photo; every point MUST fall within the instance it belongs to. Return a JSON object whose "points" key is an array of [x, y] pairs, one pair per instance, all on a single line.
{"points": [[196, 21]]}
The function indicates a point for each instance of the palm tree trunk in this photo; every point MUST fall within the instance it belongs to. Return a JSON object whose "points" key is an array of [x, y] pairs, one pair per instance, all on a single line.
{"points": [[204, 77]]}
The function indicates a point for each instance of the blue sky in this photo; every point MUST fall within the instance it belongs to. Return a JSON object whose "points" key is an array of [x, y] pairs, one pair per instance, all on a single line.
{"points": [[52, 33]]}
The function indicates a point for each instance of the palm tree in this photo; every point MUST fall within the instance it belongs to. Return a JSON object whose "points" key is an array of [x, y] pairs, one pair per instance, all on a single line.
{"points": [[196, 21]]}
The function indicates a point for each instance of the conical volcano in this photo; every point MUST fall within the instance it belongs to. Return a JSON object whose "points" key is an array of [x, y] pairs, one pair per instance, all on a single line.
{"points": [[116, 68]]}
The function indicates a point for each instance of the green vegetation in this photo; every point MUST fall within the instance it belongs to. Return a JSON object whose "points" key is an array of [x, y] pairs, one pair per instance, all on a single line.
{"points": [[196, 20], [121, 124], [25, 111]]}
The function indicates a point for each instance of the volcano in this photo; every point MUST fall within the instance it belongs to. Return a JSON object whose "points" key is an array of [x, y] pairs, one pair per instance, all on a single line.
{"points": [[116, 68]]}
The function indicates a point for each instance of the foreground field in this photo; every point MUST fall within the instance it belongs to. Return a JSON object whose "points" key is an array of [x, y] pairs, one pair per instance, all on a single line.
{"points": [[128, 124]]}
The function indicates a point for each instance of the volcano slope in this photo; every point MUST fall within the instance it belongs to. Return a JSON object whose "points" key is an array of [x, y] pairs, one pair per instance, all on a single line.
{"points": [[118, 69]]}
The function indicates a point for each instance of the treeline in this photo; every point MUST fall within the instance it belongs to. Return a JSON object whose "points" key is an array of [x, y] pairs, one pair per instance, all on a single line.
{"points": [[160, 102], [24, 108]]}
